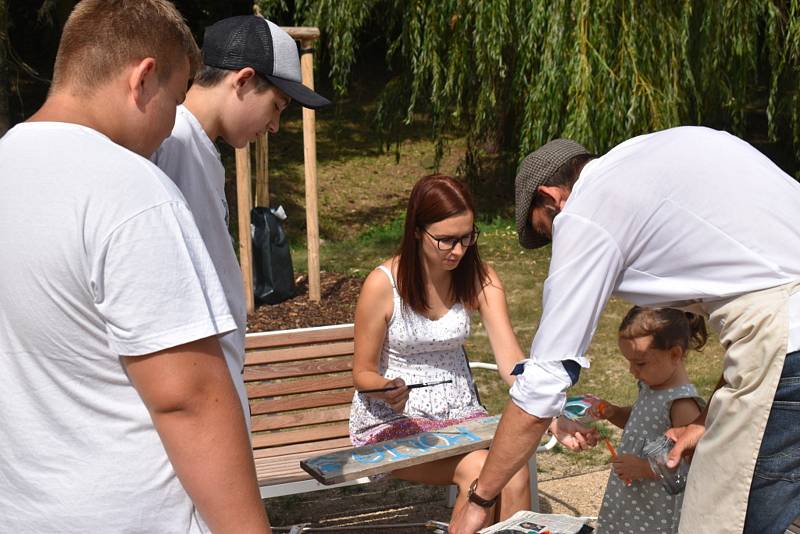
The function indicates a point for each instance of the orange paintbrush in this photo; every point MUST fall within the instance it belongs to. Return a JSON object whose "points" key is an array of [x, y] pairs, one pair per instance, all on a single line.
{"points": [[613, 452], [611, 448]]}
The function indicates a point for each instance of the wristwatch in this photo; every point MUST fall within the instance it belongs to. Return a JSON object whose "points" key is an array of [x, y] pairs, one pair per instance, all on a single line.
{"points": [[477, 499]]}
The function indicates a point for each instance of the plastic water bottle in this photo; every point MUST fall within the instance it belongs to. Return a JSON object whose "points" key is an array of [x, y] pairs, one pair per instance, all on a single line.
{"points": [[673, 480]]}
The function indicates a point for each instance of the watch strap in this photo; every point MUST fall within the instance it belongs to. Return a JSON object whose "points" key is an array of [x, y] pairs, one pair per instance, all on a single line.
{"points": [[477, 499]]}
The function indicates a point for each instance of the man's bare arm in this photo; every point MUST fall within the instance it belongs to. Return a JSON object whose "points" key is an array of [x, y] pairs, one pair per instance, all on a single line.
{"points": [[516, 439], [192, 401]]}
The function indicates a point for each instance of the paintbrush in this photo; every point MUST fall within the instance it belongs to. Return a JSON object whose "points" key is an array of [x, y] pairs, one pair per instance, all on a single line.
{"points": [[613, 452], [611, 448], [409, 386]]}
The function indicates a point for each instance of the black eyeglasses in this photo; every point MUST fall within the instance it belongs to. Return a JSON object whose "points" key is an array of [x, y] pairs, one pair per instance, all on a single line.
{"points": [[448, 243]]}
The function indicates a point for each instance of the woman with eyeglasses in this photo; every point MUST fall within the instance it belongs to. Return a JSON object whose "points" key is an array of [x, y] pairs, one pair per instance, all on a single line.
{"points": [[412, 319]]}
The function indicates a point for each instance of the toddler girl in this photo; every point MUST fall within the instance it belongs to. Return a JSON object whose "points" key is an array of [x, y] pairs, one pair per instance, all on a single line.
{"points": [[655, 343]]}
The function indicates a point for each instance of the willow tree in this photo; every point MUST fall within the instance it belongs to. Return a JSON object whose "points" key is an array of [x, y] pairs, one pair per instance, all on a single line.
{"points": [[516, 73]]}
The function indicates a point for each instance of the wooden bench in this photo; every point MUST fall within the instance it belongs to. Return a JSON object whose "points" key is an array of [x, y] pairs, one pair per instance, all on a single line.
{"points": [[300, 388]]}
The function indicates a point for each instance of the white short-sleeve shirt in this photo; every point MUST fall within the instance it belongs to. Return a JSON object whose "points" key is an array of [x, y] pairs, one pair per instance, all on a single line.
{"points": [[100, 259], [192, 161]]}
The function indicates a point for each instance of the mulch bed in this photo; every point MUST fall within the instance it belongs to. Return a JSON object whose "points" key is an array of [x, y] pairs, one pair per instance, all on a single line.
{"points": [[337, 305]]}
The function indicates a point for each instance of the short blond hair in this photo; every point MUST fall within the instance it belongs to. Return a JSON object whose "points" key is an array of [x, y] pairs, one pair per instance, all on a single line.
{"points": [[103, 36]]}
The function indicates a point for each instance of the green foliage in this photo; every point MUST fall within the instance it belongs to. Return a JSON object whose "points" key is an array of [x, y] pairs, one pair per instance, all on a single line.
{"points": [[516, 74]]}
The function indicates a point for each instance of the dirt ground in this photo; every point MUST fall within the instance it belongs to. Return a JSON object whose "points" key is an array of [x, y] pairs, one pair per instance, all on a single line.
{"points": [[339, 294], [395, 506]]}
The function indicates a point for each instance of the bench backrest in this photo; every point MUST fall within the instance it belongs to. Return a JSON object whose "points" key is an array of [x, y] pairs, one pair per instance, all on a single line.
{"points": [[300, 388]]}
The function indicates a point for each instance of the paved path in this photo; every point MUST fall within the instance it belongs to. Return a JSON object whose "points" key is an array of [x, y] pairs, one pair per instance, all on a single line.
{"points": [[575, 495]]}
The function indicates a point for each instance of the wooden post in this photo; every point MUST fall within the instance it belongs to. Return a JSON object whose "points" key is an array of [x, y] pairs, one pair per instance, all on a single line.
{"points": [[262, 171], [302, 33], [243, 203], [306, 36], [310, 160]]}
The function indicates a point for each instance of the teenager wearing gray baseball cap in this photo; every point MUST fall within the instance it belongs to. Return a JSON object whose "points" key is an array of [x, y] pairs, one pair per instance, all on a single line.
{"points": [[248, 41], [688, 218], [250, 74]]}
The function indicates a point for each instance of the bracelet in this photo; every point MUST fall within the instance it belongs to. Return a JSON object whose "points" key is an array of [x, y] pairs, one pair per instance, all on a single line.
{"points": [[477, 499]]}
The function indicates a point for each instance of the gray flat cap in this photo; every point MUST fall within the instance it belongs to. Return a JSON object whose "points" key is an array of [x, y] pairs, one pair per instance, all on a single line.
{"points": [[534, 170]]}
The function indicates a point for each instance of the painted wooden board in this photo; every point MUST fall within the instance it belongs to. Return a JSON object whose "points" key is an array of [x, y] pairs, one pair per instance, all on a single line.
{"points": [[391, 455]]}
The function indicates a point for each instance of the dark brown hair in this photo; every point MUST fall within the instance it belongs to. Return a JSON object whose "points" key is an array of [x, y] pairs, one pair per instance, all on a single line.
{"points": [[208, 76], [103, 36], [669, 328], [434, 198]]}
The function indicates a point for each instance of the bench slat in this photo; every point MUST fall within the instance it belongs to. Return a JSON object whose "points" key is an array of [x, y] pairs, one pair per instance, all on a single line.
{"points": [[299, 436], [255, 391], [307, 449], [285, 468], [300, 402], [275, 422], [298, 336], [303, 352], [280, 471], [295, 369]]}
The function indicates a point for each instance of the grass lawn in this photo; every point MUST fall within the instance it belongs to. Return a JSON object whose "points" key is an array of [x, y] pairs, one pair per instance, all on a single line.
{"points": [[363, 191]]}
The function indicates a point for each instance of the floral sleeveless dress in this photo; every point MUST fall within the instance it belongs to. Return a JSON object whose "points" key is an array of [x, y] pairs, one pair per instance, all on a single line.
{"points": [[419, 350]]}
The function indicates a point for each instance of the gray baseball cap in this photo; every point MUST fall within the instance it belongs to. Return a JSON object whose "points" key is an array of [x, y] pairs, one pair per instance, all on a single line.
{"points": [[250, 41], [534, 170]]}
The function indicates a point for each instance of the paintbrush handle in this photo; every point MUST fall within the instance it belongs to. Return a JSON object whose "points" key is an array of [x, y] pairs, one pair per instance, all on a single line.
{"points": [[611, 448], [428, 384], [409, 386]]}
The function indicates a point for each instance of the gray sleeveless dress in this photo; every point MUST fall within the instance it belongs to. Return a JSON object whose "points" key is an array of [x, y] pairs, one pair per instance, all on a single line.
{"points": [[644, 507], [419, 350]]}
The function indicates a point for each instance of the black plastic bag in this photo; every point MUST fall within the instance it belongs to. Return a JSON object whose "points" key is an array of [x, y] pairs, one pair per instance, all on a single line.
{"points": [[273, 274]]}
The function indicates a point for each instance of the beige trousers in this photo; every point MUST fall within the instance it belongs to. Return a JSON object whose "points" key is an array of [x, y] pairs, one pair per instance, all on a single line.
{"points": [[753, 329]]}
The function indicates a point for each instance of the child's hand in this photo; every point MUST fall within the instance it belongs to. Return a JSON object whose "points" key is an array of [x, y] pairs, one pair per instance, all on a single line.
{"points": [[396, 398], [629, 467], [600, 408]]}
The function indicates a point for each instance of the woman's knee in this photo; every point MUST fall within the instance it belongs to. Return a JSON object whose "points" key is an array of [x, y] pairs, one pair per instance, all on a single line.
{"points": [[520, 480], [470, 467]]}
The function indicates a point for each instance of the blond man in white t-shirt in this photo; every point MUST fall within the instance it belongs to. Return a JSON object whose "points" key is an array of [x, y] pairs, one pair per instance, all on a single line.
{"points": [[118, 412]]}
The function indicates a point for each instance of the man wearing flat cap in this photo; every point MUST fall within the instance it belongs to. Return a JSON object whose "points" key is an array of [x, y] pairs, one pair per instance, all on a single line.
{"points": [[688, 218]]}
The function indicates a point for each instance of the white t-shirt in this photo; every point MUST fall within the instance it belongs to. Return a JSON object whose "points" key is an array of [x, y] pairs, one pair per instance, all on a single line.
{"points": [[672, 218], [101, 258], [192, 161]]}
